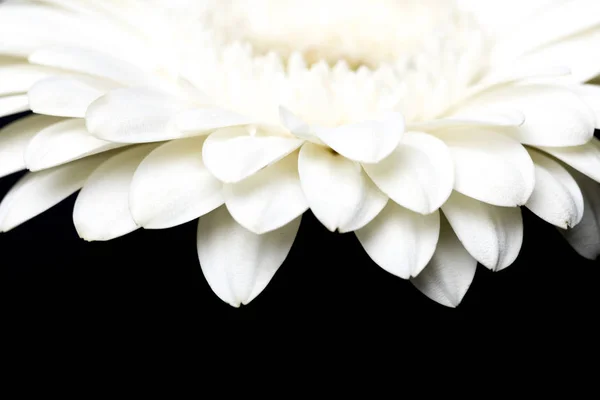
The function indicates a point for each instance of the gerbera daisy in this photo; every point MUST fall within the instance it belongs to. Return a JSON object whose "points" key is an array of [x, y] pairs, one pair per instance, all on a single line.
{"points": [[423, 126]]}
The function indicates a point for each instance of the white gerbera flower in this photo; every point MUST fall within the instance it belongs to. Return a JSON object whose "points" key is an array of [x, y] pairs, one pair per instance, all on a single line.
{"points": [[420, 125]]}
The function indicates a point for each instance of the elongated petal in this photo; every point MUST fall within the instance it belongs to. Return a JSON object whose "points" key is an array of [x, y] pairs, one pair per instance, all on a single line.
{"points": [[450, 272], [296, 126], [19, 78], [369, 141], [576, 52], [585, 236], [233, 154], [134, 115], [489, 166], [585, 159], [556, 198], [66, 96], [269, 199], [492, 235], [13, 104], [14, 139], [418, 175], [61, 143], [400, 241], [501, 118], [102, 208], [237, 263], [36, 192], [571, 122], [203, 120], [591, 95], [90, 62], [565, 18], [172, 186], [374, 201], [337, 189]]}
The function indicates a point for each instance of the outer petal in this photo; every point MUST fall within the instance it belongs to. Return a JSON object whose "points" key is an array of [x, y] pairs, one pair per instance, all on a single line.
{"points": [[19, 78], [591, 95], [369, 141], [134, 115], [233, 154], [450, 272], [585, 237], [14, 139], [585, 159], [172, 186], [400, 241], [91, 62], [269, 199], [338, 191], [13, 104], [418, 175], [66, 96], [554, 115], [36, 192], [556, 198], [237, 263], [63, 142], [102, 208], [489, 166], [564, 19], [492, 235], [203, 120]]}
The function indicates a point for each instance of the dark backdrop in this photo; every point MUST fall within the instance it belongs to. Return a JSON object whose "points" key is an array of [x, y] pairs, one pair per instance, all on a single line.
{"points": [[153, 277]]}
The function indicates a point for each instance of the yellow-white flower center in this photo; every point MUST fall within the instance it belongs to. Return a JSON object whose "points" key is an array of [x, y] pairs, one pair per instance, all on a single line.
{"points": [[330, 61], [360, 32]]}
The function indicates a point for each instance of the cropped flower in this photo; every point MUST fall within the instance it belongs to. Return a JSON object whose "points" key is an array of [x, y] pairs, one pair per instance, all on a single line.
{"points": [[422, 126]]}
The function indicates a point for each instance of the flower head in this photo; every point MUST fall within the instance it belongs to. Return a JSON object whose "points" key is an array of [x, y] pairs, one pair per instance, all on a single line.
{"points": [[423, 126]]}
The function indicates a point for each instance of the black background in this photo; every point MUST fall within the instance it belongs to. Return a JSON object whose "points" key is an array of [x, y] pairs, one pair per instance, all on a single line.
{"points": [[153, 277]]}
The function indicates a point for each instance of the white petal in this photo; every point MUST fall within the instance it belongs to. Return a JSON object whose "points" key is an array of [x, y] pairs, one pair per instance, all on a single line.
{"points": [[14, 139], [556, 198], [554, 115], [237, 263], [296, 126], [91, 62], [489, 166], [36, 192], [577, 52], [29, 27], [102, 208], [172, 186], [13, 105], [63, 142], [450, 272], [591, 95], [368, 141], [134, 115], [400, 241], [479, 119], [204, 120], [338, 191], [374, 201], [565, 19], [269, 199], [585, 237], [233, 154], [66, 96], [585, 159], [418, 175], [19, 78], [492, 235]]}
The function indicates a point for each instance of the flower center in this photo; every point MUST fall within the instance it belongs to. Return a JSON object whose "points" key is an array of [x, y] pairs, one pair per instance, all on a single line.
{"points": [[359, 32]]}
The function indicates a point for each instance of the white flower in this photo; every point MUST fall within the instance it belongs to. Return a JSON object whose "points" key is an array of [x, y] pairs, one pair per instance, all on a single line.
{"points": [[420, 125]]}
